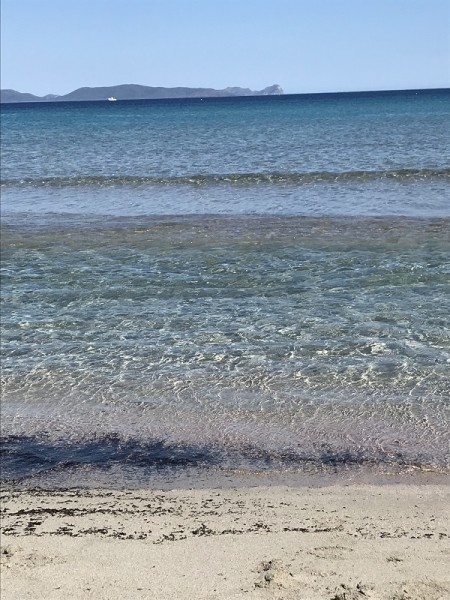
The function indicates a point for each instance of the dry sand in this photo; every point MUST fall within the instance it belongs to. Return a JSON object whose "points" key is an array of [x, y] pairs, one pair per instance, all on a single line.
{"points": [[338, 542]]}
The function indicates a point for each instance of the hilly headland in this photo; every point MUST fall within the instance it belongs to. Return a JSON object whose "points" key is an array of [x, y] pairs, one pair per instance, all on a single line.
{"points": [[136, 92]]}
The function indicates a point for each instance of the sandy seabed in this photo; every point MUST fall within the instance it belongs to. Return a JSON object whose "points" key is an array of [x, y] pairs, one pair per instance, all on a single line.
{"points": [[341, 542]]}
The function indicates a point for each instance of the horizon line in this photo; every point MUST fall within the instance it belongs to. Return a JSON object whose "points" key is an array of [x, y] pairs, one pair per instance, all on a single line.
{"points": [[284, 94]]}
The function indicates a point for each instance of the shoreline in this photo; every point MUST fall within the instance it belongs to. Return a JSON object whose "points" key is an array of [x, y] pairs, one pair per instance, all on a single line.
{"points": [[337, 542], [204, 477]]}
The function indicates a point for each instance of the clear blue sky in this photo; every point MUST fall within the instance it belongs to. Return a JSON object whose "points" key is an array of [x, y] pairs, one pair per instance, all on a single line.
{"points": [[55, 46]]}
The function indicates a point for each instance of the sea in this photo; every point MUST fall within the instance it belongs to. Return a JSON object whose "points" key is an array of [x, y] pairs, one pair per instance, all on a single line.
{"points": [[213, 288]]}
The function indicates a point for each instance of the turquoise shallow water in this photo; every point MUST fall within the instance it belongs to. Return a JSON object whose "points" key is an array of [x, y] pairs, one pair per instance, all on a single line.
{"points": [[237, 284]]}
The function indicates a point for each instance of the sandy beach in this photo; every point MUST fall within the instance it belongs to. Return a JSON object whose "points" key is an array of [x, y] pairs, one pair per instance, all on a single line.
{"points": [[340, 542]]}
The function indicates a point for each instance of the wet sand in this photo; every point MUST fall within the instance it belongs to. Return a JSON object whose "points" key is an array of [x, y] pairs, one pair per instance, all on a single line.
{"points": [[341, 542]]}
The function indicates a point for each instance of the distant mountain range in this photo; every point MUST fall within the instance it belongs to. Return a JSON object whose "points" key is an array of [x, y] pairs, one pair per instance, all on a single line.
{"points": [[137, 92]]}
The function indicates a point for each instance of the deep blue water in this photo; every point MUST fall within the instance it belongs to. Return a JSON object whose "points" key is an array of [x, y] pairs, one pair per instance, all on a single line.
{"points": [[258, 283]]}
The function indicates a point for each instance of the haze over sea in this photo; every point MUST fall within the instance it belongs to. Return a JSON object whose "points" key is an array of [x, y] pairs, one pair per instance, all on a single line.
{"points": [[235, 284]]}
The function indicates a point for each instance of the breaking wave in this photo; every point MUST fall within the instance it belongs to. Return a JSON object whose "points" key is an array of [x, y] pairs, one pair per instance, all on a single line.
{"points": [[288, 178]]}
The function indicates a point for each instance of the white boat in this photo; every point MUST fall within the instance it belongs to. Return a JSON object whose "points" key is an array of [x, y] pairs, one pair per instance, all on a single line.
{"points": [[112, 99]]}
